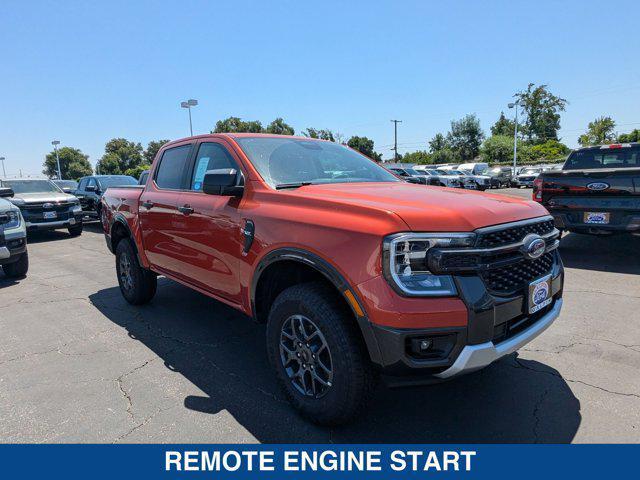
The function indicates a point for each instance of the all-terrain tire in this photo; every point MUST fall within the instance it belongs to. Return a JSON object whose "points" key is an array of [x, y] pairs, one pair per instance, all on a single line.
{"points": [[19, 268], [138, 285], [76, 230], [353, 378]]}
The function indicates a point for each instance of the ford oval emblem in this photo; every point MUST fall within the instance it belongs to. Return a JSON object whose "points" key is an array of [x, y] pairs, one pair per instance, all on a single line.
{"points": [[533, 246], [47, 206], [597, 186]]}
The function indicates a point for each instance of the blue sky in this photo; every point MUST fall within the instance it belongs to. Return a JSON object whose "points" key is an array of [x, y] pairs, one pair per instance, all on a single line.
{"points": [[85, 72]]}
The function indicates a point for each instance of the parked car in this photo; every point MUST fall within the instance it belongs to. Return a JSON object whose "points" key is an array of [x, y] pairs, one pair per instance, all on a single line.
{"points": [[597, 191], [438, 177], [143, 177], [474, 181], [14, 258], [500, 176], [455, 178], [67, 186], [353, 276], [91, 188], [44, 206], [526, 176], [408, 174], [475, 168]]}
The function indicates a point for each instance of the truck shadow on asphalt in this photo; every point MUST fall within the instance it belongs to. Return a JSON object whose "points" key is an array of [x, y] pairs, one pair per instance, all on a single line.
{"points": [[223, 354], [616, 254]]}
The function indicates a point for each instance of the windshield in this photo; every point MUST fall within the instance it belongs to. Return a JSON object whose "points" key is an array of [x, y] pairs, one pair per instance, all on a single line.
{"points": [[66, 184], [452, 172], [286, 160], [625, 157], [411, 171], [530, 171], [116, 181], [32, 186]]}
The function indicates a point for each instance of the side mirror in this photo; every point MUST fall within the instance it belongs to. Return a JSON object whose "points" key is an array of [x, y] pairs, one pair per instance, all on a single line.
{"points": [[222, 182], [6, 192], [91, 188]]}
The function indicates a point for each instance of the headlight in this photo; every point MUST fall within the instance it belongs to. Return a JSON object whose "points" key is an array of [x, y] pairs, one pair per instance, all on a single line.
{"points": [[404, 259], [14, 219]]}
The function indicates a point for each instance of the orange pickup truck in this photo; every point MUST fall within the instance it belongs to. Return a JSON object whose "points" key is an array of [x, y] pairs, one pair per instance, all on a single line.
{"points": [[355, 272]]}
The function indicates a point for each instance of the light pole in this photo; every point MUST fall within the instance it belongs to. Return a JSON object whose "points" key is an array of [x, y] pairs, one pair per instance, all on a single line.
{"points": [[4, 172], [188, 104], [55, 144], [515, 105], [395, 139]]}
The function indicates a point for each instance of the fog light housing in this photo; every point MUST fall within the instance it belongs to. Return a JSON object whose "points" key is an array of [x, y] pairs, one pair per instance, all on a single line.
{"points": [[435, 347]]}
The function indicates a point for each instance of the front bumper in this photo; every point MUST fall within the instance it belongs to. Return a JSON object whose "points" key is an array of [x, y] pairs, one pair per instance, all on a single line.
{"points": [[52, 225], [475, 357]]}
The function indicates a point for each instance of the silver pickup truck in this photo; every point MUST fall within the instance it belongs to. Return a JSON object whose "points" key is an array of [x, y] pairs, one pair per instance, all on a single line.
{"points": [[13, 237]]}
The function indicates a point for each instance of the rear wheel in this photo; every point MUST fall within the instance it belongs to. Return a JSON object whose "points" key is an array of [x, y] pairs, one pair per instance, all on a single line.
{"points": [[137, 284], [19, 268], [318, 354]]}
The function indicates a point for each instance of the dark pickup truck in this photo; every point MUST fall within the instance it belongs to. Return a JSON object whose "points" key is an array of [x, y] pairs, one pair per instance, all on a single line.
{"points": [[597, 191]]}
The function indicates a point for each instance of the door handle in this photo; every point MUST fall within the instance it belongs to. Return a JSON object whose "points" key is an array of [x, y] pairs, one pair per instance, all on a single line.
{"points": [[185, 210], [147, 205]]}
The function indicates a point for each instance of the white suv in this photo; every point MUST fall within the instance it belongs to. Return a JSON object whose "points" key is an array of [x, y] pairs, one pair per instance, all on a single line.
{"points": [[13, 237]]}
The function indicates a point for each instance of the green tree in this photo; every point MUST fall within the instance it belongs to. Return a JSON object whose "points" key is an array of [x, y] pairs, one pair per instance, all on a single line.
{"points": [[324, 134], [542, 113], [119, 155], [549, 150], [365, 146], [497, 149], [73, 164], [465, 137], [137, 171], [437, 143], [633, 136], [419, 157], [280, 127], [152, 149], [599, 132], [237, 125], [503, 126]]}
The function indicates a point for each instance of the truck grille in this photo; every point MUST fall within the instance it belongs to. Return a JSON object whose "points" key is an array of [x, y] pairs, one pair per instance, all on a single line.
{"points": [[511, 279], [499, 238]]}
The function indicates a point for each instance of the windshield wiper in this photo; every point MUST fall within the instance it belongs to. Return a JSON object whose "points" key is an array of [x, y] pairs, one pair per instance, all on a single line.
{"points": [[282, 186]]}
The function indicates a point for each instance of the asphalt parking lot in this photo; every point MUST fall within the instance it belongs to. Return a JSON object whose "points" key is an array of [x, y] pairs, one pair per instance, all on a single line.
{"points": [[78, 364]]}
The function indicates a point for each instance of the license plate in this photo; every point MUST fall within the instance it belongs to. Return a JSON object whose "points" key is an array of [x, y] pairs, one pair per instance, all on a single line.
{"points": [[599, 218], [539, 294], [50, 215]]}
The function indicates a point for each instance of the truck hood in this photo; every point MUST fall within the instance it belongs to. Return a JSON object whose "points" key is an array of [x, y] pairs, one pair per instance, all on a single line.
{"points": [[44, 197], [426, 208]]}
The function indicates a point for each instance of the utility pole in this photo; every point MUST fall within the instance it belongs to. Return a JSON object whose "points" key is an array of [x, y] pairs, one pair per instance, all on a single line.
{"points": [[4, 172], [515, 105], [395, 139]]}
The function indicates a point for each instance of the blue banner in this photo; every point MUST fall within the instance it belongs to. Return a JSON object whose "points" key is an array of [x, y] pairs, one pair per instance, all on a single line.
{"points": [[317, 461]]}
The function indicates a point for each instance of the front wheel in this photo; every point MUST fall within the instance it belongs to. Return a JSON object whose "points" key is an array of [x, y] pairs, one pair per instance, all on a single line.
{"points": [[75, 230], [19, 268], [318, 354], [137, 284]]}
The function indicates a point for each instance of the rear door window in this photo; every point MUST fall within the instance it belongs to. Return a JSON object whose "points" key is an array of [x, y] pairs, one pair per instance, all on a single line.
{"points": [[170, 173]]}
